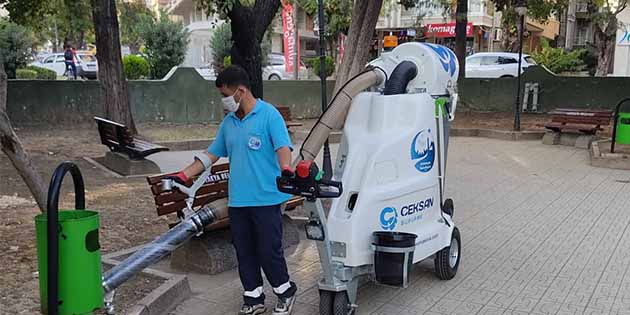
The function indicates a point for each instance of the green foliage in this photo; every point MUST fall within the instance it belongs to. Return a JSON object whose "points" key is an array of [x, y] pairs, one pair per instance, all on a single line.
{"points": [[338, 14], [25, 74], [43, 73], [540, 10], [227, 61], [558, 60], [132, 16], [15, 46], [54, 20], [314, 63], [221, 43], [135, 67], [165, 45]]}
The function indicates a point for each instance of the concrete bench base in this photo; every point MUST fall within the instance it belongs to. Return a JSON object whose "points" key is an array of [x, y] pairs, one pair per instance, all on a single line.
{"points": [[123, 165]]}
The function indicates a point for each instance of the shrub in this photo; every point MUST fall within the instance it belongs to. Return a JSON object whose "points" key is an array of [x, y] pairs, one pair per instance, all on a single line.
{"points": [[558, 60], [221, 43], [227, 61], [25, 74], [43, 73], [15, 46], [165, 45], [135, 67], [313, 63]]}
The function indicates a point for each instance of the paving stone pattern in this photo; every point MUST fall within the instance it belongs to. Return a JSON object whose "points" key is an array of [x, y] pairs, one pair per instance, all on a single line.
{"points": [[542, 233]]}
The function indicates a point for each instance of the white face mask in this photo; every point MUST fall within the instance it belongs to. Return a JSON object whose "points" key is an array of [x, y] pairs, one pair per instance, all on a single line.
{"points": [[230, 104]]}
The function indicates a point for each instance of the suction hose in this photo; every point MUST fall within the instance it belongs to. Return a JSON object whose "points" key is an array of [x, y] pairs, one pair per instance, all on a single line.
{"points": [[402, 74], [335, 115], [164, 245]]}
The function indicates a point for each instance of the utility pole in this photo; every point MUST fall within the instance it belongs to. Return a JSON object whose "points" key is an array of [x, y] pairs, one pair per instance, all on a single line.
{"points": [[327, 164]]}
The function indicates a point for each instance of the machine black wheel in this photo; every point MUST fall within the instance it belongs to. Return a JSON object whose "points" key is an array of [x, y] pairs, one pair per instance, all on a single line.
{"points": [[326, 300], [448, 207], [341, 306], [447, 259]]}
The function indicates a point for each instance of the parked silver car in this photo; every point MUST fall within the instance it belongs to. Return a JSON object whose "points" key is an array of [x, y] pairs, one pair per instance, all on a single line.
{"points": [[275, 70]]}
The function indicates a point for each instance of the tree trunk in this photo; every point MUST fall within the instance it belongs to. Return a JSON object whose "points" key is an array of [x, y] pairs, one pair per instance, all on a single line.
{"points": [[114, 95], [357, 47], [461, 21], [248, 29], [12, 147], [605, 42], [509, 40]]}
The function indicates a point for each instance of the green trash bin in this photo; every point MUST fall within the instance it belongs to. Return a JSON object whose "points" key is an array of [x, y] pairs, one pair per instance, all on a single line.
{"points": [[78, 272], [623, 128]]}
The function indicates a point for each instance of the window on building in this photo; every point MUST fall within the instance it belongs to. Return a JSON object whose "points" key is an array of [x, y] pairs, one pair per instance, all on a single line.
{"points": [[474, 6]]}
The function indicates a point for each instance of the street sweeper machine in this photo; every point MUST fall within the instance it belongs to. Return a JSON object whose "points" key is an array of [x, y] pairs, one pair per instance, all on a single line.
{"points": [[386, 211]]}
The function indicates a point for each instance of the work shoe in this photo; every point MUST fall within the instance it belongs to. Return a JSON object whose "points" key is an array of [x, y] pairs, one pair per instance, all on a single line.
{"points": [[284, 306], [252, 309]]}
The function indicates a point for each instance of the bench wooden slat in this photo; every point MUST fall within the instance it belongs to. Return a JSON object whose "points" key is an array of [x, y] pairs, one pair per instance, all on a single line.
{"points": [[585, 121], [216, 169], [118, 138], [177, 196]]}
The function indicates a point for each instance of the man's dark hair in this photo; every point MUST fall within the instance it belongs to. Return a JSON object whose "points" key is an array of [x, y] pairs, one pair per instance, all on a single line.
{"points": [[233, 76]]}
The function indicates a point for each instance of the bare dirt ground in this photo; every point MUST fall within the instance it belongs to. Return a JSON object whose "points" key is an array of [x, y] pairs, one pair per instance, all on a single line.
{"points": [[128, 216]]}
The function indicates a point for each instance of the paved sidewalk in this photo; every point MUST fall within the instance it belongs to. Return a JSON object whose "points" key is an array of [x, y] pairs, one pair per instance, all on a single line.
{"points": [[542, 233]]}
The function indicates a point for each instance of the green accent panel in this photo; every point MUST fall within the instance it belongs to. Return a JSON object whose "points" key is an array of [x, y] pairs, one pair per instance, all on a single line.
{"points": [[80, 273], [623, 128]]}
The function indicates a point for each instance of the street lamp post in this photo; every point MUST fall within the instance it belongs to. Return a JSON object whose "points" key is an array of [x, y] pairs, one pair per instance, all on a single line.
{"points": [[321, 28], [521, 10]]}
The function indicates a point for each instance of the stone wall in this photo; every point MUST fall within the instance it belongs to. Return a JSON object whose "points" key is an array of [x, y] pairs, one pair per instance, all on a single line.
{"points": [[185, 97], [182, 97]]}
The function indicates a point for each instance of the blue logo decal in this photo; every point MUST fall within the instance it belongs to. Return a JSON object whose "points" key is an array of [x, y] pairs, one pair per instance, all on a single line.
{"points": [[423, 150], [254, 143], [625, 38], [389, 218], [447, 57]]}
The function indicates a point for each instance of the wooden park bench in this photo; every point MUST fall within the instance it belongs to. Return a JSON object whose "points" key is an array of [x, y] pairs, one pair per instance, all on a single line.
{"points": [[215, 188], [118, 138], [285, 111], [578, 120]]}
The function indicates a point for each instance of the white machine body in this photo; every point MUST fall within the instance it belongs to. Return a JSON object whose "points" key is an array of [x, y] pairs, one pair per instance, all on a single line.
{"points": [[391, 160], [388, 157]]}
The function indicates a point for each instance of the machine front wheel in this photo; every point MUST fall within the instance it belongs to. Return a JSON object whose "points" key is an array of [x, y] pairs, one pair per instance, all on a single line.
{"points": [[326, 300], [342, 306], [447, 259]]}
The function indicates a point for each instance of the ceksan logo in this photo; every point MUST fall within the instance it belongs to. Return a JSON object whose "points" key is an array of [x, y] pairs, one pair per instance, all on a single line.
{"points": [[416, 207], [447, 58], [389, 218], [423, 150], [408, 214]]}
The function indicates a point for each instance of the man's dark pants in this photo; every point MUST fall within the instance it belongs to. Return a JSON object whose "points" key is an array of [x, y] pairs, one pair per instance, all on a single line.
{"points": [[73, 67], [257, 238]]}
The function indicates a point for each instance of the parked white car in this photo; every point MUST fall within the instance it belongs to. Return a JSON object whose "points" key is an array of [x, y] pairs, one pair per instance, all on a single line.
{"points": [[87, 67], [496, 65], [275, 70]]}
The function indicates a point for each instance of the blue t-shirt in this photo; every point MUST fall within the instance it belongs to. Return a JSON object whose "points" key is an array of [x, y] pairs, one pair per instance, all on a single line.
{"points": [[251, 145]]}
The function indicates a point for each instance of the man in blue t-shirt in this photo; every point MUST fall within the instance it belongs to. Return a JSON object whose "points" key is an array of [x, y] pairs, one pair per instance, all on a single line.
{"points": [[254, 137]]}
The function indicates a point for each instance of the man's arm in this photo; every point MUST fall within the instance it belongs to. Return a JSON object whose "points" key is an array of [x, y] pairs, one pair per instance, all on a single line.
{"points": [[281, 141], [284, 158], [197, 167]]}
